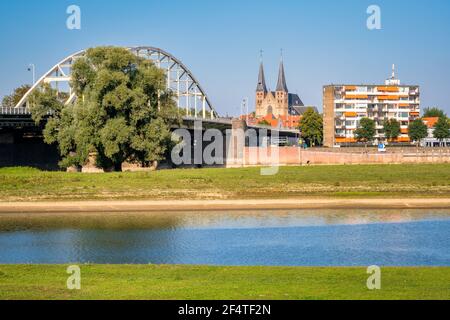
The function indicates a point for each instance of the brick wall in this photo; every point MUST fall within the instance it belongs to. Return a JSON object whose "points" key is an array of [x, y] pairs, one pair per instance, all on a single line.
{"points": [[296, 156], [328, 116]]}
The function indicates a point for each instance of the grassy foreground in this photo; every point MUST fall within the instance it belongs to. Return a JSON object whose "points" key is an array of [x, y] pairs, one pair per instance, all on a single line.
{"points": [[354, 181], [201, 282]]}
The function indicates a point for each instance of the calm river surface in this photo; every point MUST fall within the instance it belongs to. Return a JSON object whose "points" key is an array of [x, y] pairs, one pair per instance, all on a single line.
{"points": [[277, 238]]}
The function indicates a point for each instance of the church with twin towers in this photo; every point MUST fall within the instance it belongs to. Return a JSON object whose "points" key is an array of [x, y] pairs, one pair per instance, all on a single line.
{"points": [[279, 103]]}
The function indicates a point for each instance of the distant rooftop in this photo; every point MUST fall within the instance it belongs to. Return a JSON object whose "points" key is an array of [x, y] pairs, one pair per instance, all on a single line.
{"points": [[369, 84], [300, 110]]}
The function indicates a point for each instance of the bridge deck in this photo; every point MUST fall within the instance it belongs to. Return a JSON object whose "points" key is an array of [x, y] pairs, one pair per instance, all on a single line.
{"points": [[12, 117]]}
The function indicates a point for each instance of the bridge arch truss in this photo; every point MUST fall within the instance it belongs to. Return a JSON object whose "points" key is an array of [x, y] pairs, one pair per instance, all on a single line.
{"points": [[189, 94]]}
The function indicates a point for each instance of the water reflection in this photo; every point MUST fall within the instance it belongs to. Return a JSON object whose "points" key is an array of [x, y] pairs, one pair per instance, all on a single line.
{"points": [[286, 237], [211, 219], [83, 221]]}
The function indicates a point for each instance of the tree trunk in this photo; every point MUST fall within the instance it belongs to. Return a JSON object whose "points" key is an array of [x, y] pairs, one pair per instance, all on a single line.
{"points": [[154, 165], [417, 150], [118, 167]]}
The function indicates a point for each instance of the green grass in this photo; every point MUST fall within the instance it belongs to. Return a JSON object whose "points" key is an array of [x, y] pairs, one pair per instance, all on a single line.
{"points": [[204, 282], [421, 180]]}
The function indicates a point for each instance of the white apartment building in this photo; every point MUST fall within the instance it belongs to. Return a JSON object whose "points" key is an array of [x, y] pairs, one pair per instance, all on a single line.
{"points": [[345, 105]]}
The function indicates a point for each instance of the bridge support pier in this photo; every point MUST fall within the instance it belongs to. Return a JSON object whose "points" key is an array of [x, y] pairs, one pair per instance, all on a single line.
{"points": [[235, 156]]}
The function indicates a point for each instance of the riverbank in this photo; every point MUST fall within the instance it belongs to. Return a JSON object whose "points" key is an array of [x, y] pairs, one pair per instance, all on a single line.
{"points": [[203, 205], [156, 282], [306, 182]]}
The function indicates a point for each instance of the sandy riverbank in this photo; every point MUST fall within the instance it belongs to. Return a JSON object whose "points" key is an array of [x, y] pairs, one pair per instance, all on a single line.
{"points": [[198, 205]]}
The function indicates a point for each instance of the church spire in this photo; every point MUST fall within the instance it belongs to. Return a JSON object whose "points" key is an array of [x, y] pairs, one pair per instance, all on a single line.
{"points": [[281, 86], [261, 78]]}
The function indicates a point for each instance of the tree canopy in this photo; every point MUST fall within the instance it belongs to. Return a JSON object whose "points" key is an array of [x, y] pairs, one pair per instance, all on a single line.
{"points": [[433, 112], [417, 130], [123, 111], [442, 129], [10, 101], [391, 129], [366, 130], [311, 127]]}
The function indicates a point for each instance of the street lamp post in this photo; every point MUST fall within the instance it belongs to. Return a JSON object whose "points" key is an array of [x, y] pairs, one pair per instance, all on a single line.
{"points": [[32, 68], [244, 108]]}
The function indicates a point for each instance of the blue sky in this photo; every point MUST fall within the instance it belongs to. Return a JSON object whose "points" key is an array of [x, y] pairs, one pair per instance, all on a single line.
{"points": [[323, 42]]}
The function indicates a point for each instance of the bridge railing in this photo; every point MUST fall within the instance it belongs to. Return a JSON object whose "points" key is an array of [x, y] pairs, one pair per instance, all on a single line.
{"points": [[215, 120], [15, 111]]}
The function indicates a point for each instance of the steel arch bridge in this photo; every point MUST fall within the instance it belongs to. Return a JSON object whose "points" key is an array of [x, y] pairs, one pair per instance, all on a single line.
{"points": [[189, 94]]}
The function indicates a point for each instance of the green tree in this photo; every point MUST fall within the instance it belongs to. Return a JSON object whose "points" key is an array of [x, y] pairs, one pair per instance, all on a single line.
{"points": [[311, 127], [391, 129], [264, 122], [442, 129], [123, 111], [366, 130], [7, 102], [433, 112], [417, 130], [10, 101], [61, 127], [199, 113]]}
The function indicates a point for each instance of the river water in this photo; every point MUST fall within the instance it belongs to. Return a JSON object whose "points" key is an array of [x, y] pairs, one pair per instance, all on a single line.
{"points": [[269, 238]]}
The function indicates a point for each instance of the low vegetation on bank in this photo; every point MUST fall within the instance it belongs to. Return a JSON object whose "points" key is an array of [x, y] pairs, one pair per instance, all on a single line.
{"points": [[363, 181], [203, 282]]}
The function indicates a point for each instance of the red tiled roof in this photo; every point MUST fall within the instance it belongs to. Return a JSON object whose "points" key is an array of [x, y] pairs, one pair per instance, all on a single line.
{"points": [[286, 121], [430, 122]]}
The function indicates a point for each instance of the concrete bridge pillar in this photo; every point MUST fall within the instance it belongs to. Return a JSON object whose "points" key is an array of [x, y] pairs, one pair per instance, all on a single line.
{"points": [[235, 155]]}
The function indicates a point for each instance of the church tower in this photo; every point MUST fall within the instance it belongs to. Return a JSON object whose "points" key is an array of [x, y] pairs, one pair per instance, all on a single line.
{"points": [[261, 89], [282, 93]]}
